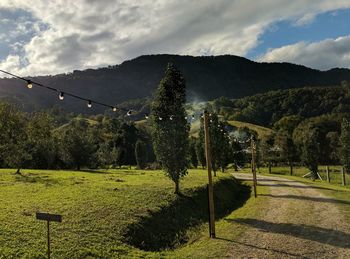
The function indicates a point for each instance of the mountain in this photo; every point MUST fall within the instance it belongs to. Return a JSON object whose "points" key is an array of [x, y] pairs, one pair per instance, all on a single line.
{"points": [[207, 77]]}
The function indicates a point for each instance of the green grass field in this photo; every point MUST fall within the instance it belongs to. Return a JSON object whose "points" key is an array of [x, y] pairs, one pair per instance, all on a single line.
{"points": [[107, 213]]}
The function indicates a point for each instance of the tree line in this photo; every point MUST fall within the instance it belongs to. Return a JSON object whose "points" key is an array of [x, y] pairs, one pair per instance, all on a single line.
{"points": [[44, 140], [268, 108], [322, 140]]}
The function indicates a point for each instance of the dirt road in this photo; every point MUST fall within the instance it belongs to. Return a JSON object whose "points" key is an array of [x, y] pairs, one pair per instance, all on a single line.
{"points": [[298, 222]]}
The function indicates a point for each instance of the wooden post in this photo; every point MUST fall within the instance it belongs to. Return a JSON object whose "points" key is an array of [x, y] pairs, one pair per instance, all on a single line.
{"points": [[48, 217], [343, 176], [48, 240], [327, 174], [210, 181], [253, 147]]}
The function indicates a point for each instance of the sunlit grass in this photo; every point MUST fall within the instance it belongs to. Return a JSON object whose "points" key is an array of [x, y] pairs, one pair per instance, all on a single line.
{"points": [[335, 173], [97, 208]]}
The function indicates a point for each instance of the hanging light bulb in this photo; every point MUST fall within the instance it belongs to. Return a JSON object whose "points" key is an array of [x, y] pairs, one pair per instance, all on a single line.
{"points": [[186, 117], [160, 118], [114, 109], [171, 117], [129, 113], [29, 84], [89, 104], [61, 96], [146, 116]]}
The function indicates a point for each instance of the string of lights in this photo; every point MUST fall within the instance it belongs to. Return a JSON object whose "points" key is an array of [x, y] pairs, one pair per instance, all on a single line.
{"points": [[61, 94], [89, 102]]}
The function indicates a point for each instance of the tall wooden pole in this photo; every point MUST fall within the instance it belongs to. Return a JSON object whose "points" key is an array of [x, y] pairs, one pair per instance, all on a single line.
{"points": [[253, 149], [48, 240], [210, 180], [343, 175], [327, 174]]}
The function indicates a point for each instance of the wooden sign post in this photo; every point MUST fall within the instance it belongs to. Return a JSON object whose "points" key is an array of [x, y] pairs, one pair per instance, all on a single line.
{"points": [[253, 149], [327, 174], [210, 181], [343, 176], [48, 217]]}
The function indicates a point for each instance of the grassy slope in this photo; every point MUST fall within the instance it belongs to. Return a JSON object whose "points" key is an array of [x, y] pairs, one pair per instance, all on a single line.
{"points": [[97, 208], [262, 131]]}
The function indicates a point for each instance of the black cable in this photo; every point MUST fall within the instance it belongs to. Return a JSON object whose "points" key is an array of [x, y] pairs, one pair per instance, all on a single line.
{"points": [[90, 101], [60, 91]]}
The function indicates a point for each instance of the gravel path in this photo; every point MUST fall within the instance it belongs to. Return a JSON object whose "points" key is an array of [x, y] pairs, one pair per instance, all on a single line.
{"points": [[298, 222]]}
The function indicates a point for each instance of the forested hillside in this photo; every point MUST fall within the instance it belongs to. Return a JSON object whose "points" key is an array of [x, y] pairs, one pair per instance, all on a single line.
{"points": [[268, 108], [206, 77]]}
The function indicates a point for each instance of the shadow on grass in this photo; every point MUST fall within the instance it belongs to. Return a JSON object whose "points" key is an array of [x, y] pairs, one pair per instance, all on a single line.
{"points": [[315, 199], [258, 247], [295, 186], [267, 180], [32, 178], [93, 171], [168, 227], [322, 235]]}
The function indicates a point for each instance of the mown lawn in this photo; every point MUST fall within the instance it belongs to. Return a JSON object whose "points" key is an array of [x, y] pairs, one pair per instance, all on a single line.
{"points": [[106, 211]]}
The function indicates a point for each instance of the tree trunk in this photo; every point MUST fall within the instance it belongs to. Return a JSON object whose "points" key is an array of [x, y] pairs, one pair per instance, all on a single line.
{"points": [[236, 167], [177, 187], [215, 173], [269, 167], [18, 171], [78, 167], [291, 168]]}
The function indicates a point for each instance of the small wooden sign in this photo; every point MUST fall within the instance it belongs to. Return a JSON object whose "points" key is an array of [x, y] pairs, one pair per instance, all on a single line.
{"points": [[48, 217]]}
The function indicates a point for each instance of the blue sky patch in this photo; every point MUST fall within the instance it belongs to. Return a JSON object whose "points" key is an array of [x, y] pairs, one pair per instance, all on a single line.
{"points": [[17, 27], [326, 25]]}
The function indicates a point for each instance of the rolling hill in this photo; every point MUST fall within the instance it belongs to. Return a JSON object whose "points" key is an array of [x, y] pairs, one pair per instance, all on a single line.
{"points": [[207, 78]]}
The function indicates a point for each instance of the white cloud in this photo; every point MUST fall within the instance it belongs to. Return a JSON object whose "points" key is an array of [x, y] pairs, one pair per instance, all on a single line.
{"points": [[11, 63], [323, 55], [92, 33], [305, 20]]}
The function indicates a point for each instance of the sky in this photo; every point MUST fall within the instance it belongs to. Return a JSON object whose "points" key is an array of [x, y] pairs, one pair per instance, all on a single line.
{"points": [[40, 37]]}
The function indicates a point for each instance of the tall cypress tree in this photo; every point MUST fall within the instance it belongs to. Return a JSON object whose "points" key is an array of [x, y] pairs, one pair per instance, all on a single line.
{"points": [[200, 145], [215, 141], [170, 128], [141, 154], [192, 151]]}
